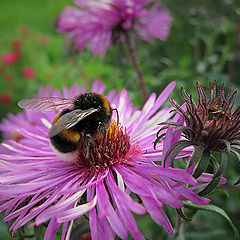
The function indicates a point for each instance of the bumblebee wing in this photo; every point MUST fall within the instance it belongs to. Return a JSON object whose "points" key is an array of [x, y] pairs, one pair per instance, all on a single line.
{"points": [[69, 120], [46, 104]]}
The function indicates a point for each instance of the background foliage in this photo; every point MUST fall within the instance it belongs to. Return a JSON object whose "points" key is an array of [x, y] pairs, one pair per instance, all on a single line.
{"points": [[204, 45]]}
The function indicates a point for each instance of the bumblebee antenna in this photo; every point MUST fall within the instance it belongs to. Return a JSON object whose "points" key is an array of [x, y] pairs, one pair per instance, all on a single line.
{"points": [[115, 109]]}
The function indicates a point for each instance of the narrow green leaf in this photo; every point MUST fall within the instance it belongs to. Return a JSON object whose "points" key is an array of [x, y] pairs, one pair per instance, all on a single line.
{"points": [[198, 150], [171, 124], [158, 140], [213, 208], [236, 154], [202, 164], [178, 149], [210, 187], [214, 182], [162, 128], [158, 132], [182, 215], [223, 164], [237, 182], [171, 149]]}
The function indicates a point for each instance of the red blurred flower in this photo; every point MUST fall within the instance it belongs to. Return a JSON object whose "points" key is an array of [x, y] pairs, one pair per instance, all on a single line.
{"points": [[9, 78], [5, 98], [10, 58], [85, 236], [25, 30], [16, 45], [2, 69], [28, 73], [44, 41]]}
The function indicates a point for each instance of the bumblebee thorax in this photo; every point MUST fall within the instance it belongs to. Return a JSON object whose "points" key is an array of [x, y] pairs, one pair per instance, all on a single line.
{"points": [[93, 100]]}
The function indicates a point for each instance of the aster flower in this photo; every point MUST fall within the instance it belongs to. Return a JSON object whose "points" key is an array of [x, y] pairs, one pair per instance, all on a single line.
{"points": [[210, 126], [105, 22], [36, 186], [100, 23]]}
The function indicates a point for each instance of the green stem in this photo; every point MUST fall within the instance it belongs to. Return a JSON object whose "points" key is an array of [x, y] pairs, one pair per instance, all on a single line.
{"points": [[235, 53], [179, 227], [142, 84], [196, 47]]}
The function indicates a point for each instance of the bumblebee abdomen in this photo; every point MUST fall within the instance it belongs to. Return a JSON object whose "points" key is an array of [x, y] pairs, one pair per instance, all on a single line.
{"points": [[71, 135], [67, 140], [64, 144]]}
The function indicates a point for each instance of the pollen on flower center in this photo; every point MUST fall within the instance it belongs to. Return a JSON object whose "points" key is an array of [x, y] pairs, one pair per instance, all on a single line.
{"points": [[104, 153]]}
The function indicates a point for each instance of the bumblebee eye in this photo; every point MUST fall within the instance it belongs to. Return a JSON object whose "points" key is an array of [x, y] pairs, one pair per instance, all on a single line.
{"points": [[99, 108]]}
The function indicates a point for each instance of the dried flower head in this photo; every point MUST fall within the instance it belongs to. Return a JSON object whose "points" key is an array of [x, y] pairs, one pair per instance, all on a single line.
{"points": [[211, 125]]}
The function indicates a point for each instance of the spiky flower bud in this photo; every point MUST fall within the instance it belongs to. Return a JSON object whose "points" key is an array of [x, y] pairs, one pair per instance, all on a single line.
{"points": [[211, 125]]}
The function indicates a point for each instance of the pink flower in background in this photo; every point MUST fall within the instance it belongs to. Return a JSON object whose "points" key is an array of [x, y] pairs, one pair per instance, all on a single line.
{"points": [[102, 22], [2, 69], [44, 41], [5, 99], [10, 58], [16, 45], [37, 186], [28, 73], [25, 30], [9, 78]]}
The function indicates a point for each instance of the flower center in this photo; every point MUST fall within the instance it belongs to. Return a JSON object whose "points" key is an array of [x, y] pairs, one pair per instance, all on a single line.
{"points": [[102, 153]]}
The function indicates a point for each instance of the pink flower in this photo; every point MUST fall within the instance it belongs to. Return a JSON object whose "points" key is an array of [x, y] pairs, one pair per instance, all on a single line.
{"points": [[16, 45], [10, 58], [25, 30], [5, 99], [44, 41], [102, 22], [9, 78], [2, 70], [28, 73], [37, 186]]}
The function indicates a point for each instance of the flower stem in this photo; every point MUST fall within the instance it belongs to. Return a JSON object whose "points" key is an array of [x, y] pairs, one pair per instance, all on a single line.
{"points": [[179, 227], [137, 69], [235, 52]]}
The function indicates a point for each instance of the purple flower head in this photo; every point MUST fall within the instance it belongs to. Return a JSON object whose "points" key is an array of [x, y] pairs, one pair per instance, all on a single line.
{"points": [[100, 23], [37, 186]]}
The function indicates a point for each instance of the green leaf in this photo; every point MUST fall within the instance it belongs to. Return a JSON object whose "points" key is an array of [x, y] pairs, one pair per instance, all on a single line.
{"points": [[215, 180], [213, 208], [198, 150], [236, 154], [237, 182], [222, 166], [177, 150], [172, 148], [202, 164], [182, 215], [171, 124]]}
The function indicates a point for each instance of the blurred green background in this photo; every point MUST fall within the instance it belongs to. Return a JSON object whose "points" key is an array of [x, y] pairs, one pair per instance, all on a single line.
{"points": [[204, 44]]}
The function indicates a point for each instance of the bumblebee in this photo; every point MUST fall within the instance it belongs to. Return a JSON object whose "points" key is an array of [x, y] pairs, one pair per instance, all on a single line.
{"points": [[87, 117]]}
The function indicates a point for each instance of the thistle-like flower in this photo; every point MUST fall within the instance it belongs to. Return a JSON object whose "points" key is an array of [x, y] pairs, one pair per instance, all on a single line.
{"points": [[102, 22], [122, 176], [210, 126]]}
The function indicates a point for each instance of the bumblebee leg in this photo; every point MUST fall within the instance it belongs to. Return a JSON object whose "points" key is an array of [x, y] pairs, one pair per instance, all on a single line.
{"points": [[88, 144], [103, 131]]}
